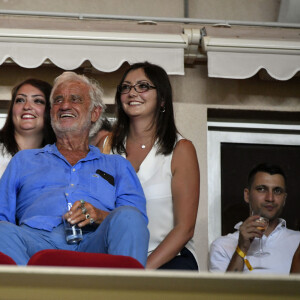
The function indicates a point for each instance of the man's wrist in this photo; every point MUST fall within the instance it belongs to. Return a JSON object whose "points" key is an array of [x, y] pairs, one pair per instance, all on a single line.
{"points": [[242, 254]]}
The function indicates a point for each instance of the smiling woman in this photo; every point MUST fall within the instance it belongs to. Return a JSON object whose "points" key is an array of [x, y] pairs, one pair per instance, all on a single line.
{"points": [[28, 121], [166, 164]]}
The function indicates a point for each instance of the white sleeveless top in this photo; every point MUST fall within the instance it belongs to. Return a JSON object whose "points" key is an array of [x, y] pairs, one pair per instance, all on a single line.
{"points": [[155, 176], [4, 159]]}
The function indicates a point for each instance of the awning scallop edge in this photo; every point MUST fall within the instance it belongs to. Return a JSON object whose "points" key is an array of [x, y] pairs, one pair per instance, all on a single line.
{"points": [[106, 51], [242, 58]]}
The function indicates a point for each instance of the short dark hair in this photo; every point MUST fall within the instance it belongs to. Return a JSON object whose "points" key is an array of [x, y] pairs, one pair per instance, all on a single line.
{"points": [[269, 168], [7, 137], [164, 121]]}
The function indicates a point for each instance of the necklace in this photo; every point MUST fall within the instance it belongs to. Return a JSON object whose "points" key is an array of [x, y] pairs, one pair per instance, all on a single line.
{"points": [[142, 145], [145, 145]]}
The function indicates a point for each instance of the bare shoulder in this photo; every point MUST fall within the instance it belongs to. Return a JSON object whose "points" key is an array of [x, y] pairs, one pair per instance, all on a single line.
{"points": [[184, 154], [184, 147]]}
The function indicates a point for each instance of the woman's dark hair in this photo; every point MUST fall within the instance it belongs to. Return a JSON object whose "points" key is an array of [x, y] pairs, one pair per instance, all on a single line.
{"points": [[7, 137], [166, 131]]}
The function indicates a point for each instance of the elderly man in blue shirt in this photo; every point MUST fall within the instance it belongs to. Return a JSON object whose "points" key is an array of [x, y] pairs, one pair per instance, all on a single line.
{"points": [[103, 191]]}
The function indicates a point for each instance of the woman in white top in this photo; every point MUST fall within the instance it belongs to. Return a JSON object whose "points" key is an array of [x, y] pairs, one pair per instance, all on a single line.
{"points": [[28, 121], [166, 164]]}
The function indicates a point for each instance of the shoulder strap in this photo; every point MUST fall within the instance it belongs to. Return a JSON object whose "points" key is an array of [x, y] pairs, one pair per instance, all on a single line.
{"points": [[107, 144]]}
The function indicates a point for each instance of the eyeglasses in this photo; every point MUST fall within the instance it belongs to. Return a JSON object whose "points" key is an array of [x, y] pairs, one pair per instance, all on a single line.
{"points": [[140, 87]]}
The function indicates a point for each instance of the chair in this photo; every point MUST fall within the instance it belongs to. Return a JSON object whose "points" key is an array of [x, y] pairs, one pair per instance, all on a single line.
{"points": [[66, 258], [6, 260]]}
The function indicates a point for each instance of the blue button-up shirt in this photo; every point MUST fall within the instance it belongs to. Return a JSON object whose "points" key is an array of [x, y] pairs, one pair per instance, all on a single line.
{"points": [[38, 183]]}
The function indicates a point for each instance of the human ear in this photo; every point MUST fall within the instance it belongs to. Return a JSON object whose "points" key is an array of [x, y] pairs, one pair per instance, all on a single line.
{"points": [[246, 195], [284, 199], [96, 113]]}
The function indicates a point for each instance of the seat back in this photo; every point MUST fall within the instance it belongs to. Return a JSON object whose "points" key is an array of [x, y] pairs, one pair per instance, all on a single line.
{"points": [[6, 260], [66, 258]]}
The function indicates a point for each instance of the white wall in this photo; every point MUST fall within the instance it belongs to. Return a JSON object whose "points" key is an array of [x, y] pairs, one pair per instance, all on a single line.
{"points": [[244, 10]]}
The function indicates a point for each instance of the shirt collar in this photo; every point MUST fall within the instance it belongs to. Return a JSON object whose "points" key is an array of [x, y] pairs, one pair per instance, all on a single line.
{"points": [[93, 153], [281, 224]]}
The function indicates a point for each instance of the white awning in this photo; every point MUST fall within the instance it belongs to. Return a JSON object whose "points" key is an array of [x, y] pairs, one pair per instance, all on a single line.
{"points": [[106, 51], [241, 58], [236, 53]]}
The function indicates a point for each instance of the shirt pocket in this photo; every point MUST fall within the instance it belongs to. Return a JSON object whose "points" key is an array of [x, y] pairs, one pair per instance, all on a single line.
{"points": [[101, 186]]}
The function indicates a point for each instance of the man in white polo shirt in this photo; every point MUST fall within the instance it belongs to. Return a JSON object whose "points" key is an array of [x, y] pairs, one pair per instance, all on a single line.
{"points": [[238, 252]]}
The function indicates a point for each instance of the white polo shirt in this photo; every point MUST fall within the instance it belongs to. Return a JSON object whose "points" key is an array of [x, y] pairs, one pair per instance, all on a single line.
{"points": [[281, 244]]}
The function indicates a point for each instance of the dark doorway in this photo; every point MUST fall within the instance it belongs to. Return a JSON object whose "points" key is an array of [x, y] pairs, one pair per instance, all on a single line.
{"points": [[236, 162]]}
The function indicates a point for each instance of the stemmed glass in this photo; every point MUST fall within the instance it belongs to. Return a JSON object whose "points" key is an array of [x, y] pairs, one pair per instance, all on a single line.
{"points": [[262, 225]]}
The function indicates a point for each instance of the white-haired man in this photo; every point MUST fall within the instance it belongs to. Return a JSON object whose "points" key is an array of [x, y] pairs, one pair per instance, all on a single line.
{"points": [[103, 191]]}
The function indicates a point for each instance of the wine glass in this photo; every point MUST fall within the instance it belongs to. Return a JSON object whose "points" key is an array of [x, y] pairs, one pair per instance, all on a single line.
{"points": [[262, 225]]}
